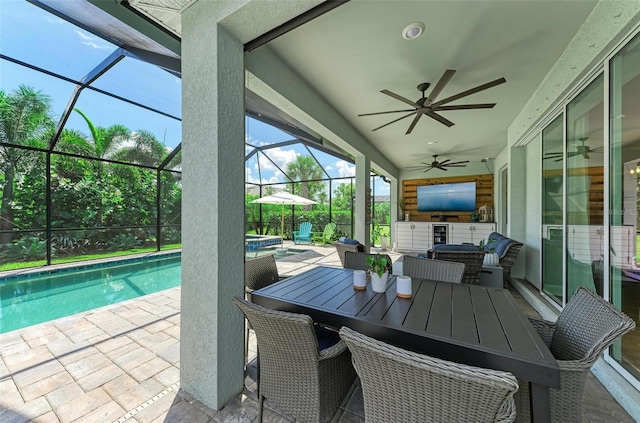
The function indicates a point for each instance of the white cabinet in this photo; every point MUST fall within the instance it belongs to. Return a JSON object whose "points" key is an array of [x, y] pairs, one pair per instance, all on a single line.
{"points": [[472, 232], [413, 236], [420, 236]]}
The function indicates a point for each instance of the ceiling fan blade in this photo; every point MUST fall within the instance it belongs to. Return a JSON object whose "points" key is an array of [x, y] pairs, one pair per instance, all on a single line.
{"points": [[458, 163], [428, 169], [399, 97], [421, 166], [450, 165], [393, 121], [383, 113], [439, 118], [413, 124], [444, 80], [465, 107], [471, 91], [441, 163], [596, 150]]}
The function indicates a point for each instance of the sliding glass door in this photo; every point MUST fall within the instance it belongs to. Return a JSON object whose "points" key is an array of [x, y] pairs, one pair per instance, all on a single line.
{"points": [[585, 188], [552, 209], [624, 273]]}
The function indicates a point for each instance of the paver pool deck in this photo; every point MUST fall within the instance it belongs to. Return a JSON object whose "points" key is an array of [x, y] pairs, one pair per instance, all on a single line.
{"points": [[120, 363]]}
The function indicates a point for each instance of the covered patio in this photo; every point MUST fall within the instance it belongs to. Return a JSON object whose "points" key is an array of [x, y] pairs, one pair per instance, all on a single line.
{"points": [[559, 151]]}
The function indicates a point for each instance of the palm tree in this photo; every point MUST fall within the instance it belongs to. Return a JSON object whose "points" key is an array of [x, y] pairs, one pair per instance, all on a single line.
{"points": [[105, 140], [304, 169], [146, 150], [25, 116]]}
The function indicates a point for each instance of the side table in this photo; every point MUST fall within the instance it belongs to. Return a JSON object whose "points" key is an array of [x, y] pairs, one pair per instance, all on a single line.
{"points": [[491, 276]]}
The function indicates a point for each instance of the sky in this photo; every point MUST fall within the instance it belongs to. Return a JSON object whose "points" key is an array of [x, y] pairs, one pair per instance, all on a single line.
{"points": [[32, 35]]}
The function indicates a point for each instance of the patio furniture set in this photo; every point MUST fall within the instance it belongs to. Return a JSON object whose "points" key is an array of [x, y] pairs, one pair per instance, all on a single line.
{"points": [[455, 351], [305, 235]]}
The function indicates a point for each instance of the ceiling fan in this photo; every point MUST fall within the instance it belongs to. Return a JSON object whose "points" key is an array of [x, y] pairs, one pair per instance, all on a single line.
{"points": [[428, 106], [581, 150], [435, 164]]}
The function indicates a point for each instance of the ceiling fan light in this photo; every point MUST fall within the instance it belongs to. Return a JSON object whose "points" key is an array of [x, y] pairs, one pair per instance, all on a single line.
{"points": [[413, 31]]}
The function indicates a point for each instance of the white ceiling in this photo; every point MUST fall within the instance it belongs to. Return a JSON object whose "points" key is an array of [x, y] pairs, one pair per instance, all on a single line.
{"points": [[356, 50]]}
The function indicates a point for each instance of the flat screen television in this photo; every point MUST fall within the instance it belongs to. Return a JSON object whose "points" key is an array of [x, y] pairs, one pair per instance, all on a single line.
{"points": [[459, 197]]}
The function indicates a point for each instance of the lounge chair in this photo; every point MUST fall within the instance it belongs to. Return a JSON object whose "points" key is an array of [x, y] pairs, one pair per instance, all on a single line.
{"points": [[326, 235], [303, 234]]}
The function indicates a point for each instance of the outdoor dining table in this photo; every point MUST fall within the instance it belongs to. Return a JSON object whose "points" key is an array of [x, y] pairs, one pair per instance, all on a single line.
{"points": [[467, 324]]}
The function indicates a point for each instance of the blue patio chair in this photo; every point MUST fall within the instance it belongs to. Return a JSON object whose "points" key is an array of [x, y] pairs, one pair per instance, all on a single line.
{"points": [[304, 234]]}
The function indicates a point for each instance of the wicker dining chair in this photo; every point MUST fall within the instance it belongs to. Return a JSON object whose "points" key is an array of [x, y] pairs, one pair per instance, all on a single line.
{"points": [[403, 386], [586, 326], [258, 272], [435, 270], [472, 262], [358, 261], [342, 248], [297, 376]]}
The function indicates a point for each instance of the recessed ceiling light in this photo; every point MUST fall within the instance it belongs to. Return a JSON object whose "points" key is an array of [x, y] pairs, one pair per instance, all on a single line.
{"points": [[413, 31], [432, 142]]}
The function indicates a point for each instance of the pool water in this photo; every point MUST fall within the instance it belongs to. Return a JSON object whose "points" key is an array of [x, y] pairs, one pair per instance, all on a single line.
{"points": [[30, 299]]}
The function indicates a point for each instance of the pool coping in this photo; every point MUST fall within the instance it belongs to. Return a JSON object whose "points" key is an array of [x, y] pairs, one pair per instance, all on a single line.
{"points": [[84, 264]]}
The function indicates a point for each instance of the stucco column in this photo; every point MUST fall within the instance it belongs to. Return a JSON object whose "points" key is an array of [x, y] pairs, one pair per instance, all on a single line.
{"points": [[363, 179], [212, 328]]}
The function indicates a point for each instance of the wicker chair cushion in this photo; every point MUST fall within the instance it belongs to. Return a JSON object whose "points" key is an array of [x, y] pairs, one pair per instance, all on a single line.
{"points": [[326, 337]]}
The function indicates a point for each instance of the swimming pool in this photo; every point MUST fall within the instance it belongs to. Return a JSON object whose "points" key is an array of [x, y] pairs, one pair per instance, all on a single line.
{"points": [[26, 300]]}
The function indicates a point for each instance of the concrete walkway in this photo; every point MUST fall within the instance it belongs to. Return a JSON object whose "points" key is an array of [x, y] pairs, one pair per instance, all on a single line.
{"points": [[121, 363]]}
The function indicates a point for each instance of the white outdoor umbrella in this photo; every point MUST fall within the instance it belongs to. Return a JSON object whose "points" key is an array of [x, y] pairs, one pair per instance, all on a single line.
{"points": [[284, 198]]}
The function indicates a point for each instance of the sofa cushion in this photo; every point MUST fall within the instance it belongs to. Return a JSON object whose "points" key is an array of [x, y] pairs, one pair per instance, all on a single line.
{"points": [[499, 243], [349, 241], [455, 247]]}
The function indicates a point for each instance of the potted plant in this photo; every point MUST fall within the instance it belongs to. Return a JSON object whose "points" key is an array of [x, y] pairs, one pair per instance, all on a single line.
{"points": [[491, 257], [379, 272]]}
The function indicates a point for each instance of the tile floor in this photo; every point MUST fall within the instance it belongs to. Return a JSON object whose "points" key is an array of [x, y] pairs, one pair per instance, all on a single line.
{"points": [[121, 363]]}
